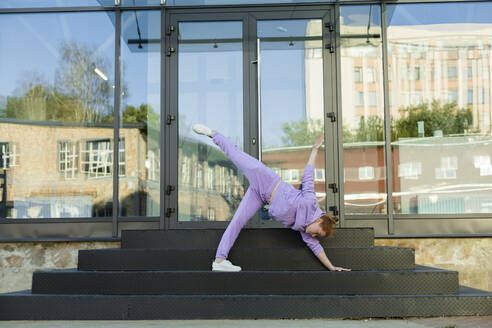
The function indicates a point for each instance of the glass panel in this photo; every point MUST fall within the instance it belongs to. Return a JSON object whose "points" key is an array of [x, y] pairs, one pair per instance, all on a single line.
{"points": [[291, 99], [139, 176], [56, 109], [362, 101], [210, 86], [133, 3], [236, 2], [440, 107], [54, 3]]}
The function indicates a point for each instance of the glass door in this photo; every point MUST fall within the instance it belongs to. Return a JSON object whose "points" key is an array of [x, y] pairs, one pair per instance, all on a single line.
{"points": [[258, 78], [208, 65], [292, 68]]}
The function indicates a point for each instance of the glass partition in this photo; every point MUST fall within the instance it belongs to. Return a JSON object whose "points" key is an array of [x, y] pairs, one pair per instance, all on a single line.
{"points": [[134, 3], [236, 2], [54, 3], [290, 59], [140, 114], [362, 103], [210, 92], [439, 72], [56, 114]]}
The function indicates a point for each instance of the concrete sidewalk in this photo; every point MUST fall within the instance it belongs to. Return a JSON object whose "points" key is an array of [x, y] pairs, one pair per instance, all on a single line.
{"points": [[436, 322]]}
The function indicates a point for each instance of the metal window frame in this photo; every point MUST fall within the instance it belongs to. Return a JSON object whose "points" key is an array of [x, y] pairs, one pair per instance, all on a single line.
{"points": [[108, 229], [224, 6]]}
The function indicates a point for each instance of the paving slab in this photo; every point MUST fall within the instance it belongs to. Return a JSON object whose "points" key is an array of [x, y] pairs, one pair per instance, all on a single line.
{"points": [[434, 322]]}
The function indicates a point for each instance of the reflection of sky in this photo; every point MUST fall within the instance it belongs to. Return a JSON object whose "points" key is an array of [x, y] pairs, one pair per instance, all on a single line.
{"points": [[141, 66], [55, 3], [211, 79], [286, 28], [439, 13], [229, 2], [283, 97], [282, 76], [210, 30], [358, 15], [34, 49]]}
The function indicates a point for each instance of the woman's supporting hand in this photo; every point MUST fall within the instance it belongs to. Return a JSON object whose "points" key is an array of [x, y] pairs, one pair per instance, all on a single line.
{"points": [[335, 268], [324, 259]]}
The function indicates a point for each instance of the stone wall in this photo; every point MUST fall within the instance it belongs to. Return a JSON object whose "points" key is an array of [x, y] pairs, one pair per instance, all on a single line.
{"points": [[19, 260], [471, 257]]}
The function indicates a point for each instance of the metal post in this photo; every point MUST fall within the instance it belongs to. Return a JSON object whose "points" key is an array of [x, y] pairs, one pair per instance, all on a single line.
{"points": [[163, 166], [387, 125], [116, 113]]}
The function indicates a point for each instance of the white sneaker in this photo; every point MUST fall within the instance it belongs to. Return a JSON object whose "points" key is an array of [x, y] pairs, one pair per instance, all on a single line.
{"points": [[202, 129], [225, 266]]}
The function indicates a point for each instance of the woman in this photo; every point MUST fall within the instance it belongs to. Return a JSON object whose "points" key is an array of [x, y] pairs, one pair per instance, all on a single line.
{"points": [[296, 209]]}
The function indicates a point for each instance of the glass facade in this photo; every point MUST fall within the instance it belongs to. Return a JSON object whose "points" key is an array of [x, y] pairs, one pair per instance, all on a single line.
{"points": [[56, 109], [440, 109], [264, 77], [140, 113], [361, 78], [210, 91], [291, 97], [55, 3]]}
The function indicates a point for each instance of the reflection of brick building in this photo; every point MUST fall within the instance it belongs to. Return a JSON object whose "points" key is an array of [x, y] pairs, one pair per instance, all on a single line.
{"points": [[210, 187], [289, 163], [65, 170], [430, 175]]}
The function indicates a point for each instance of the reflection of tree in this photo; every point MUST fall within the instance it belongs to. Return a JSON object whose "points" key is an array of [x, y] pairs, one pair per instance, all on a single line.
{"points": [[370, 129], [448, 118], [301, 133], [78, 94], [141, 114], [435, 116]]}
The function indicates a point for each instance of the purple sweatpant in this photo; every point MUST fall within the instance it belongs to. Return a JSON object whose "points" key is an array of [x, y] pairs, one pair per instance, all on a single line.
{"points": [[262, 181]]}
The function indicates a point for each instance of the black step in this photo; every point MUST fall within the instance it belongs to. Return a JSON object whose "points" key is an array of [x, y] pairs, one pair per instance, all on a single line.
{"points": [[27, 306], [411, 282], [259, 238], [267, 259]]}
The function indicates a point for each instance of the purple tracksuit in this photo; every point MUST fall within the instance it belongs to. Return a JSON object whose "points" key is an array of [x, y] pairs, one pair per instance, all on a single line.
{"points": [[296, 209]]}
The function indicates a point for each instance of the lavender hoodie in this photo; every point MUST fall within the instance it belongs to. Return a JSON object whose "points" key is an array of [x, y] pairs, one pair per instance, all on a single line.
{"points": [[297, 209]]}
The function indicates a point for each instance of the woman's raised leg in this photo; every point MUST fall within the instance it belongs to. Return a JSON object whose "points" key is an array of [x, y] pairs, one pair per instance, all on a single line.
{"points": [[260, 177], [247, 164]]}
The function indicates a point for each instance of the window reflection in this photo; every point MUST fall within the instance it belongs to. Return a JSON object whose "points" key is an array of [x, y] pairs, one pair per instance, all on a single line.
{"points": [[56, 110], [439, 56], [291, 99], [140, 114], [54, 3], [363, 110], [210, 75]]}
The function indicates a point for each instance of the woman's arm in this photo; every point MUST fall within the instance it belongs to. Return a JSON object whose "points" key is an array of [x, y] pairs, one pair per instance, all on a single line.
{"points": [[314, 151], [307, 182], [317, 249], [324, 259]]}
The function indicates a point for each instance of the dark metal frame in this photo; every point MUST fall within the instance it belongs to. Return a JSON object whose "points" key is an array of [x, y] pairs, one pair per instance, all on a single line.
{"points": [[108, 228], [251, 120]]}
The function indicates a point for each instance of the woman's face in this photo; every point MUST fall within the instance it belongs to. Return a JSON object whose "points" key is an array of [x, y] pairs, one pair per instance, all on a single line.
{"points": [[315, 230]]}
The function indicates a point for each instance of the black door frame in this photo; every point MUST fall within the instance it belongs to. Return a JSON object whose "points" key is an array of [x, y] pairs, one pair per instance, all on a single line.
{"points": [[249, 16]]}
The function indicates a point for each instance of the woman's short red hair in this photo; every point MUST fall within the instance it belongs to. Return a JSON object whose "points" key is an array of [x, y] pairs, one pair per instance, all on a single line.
{"points": [[328, 224]]}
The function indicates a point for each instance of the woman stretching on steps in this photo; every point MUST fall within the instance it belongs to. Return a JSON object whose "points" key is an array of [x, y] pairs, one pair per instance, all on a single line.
{"points": [[296, 209]]}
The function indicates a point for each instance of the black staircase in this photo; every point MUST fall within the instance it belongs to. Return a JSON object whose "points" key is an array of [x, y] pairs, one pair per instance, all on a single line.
{"points": [[166, 275]]}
